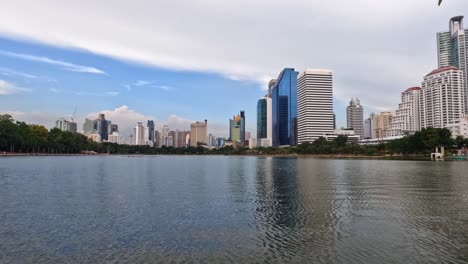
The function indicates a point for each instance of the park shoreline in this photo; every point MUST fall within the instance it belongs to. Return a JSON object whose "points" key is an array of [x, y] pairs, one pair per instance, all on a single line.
{"points": [[317, 156]]}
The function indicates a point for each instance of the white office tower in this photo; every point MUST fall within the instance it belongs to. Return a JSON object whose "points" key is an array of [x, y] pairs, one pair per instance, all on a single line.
{"points": [[441, 99], [406, 119], [164, 135], [139, 134], [116, 138], [452, 47], [355, 117], [314, 104]]}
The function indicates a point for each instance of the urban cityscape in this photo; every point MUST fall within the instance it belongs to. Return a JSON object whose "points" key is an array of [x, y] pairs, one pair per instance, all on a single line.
{"points": [[298, 108], [241, 131]]}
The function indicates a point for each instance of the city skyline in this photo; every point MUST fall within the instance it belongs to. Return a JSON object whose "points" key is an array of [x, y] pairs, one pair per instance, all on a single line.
{"points": [[44, 77]]}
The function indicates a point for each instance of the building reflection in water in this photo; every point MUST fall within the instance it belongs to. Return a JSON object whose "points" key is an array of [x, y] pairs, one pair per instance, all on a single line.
{"points": [[294, 218]]}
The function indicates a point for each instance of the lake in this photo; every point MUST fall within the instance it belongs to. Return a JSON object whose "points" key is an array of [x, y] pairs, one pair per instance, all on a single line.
{"points": [[217, 209]]}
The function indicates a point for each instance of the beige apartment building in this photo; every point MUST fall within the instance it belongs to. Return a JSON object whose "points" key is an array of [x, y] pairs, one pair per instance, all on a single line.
{"points": [[198, 133]]}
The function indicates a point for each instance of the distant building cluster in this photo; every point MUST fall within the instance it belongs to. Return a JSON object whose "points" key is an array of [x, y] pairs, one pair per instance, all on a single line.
{"points": [[299, 107]]}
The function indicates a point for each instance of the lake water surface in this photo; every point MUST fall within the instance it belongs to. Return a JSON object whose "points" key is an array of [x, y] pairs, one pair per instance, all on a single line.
{"points": [[216, 209]]}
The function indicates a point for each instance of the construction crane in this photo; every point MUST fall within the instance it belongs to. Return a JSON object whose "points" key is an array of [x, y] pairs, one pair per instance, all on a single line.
{"points": [[73, 115]]}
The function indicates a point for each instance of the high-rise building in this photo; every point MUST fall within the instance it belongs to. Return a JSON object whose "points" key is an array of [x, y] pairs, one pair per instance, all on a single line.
{"points": [[355, 117], [180, 139], [284, 108], [150, 126], [271, 83], [114, 128], [406, 119], [115, 137], [459, 127], [211, 140], [237, 127], [315, 105], [368, 128], [264, 120], [441, 98], [452, 49], [198, 133], [381, 124], [65, 125], [164, 135], [139, 134], [90, 126], [102, 127], [157, 138]]}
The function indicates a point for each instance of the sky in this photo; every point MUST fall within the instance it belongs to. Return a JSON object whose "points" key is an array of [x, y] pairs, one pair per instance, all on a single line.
{"points": [[182, 61]]}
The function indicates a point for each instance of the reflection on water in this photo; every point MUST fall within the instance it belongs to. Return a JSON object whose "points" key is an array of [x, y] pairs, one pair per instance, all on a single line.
{"points": [[231, 210]]}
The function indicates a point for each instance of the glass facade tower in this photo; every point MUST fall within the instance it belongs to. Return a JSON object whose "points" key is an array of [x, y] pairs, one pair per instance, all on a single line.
{"points": [[262, 118], [284, 104], [452, 49]]}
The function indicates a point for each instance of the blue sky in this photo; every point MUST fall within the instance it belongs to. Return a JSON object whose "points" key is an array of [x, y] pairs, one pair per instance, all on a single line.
{"points": [[181, 61], [151, 91]]}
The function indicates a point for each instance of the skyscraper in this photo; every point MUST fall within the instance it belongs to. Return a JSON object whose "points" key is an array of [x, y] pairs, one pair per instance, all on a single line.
{"points": [[368, 128], [441, 99], [381, 124], [65, 125], [150, 126], [90, 126], [452, 47], [264, 120], [198, 133], [180, 139], [284, 108], [139, 134], [315, 105], [102, 127], [237, 127], [157, 138], [406, 119], [114, 128], [164, 135], [355, 117]]}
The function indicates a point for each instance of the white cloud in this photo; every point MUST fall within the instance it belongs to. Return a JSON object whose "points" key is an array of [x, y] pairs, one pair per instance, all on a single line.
{"points": [[66, 65], [113, 93], [7, 88], [376, 49], [141, 83], [54, 90], [163, 87], [123, 116]]}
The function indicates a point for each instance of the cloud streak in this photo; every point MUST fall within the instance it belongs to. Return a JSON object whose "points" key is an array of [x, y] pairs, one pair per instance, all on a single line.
{"points": [[7, 88], [65, 65]]}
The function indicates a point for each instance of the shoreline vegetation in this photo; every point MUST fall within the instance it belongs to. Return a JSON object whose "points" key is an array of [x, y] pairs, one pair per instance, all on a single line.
{"points": [[21, 139], [317, 156]]}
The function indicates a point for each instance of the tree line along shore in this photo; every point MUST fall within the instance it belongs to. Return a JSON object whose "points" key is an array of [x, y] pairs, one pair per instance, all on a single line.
{"points": [[19, 138]]}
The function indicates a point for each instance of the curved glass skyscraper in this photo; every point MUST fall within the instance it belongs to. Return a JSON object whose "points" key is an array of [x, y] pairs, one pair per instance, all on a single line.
{"points": [[284, 104]]}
